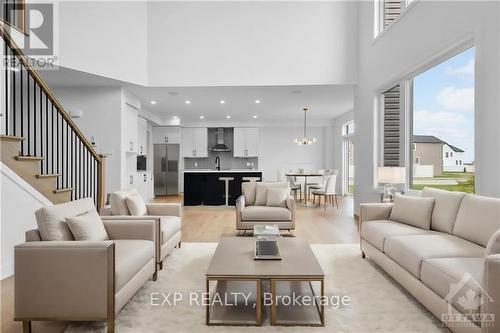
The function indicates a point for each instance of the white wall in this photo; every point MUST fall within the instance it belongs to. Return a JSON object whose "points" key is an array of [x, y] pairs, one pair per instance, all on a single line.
{"points": [[101, 118], [106, 38], [176, 43], [277, 151], [251, 43], [427, 30], [15, 220]]}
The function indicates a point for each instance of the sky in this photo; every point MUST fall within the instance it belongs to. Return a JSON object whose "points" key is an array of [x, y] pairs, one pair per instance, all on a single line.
{"points": [[443, 102]]}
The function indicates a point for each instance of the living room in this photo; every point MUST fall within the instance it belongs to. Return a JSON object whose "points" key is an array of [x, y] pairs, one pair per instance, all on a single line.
{"points": [[197, 169]]}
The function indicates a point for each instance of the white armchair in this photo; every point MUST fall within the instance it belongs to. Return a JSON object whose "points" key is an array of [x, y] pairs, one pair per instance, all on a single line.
{"points": [[253, 207], [168, 217]]}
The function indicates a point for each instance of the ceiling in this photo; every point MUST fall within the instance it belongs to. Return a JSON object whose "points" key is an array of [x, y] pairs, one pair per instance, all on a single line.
{"points": [[276, 102]]}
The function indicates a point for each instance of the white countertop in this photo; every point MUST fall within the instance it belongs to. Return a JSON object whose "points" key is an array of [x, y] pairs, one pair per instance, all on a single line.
{"points": [[217, 171]]}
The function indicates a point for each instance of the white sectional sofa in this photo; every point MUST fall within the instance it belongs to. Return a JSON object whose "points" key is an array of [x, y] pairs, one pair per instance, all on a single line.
{"points": [[444, 249]]}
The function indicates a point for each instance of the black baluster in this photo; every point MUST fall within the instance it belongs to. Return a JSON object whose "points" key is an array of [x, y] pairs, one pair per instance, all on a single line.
{"points": [[14, 102], [6, 92], [52, 140], [28, 77], [41, 123], [80, 168], [34, 118], [67, 154], [22, 108], [47, 134]]}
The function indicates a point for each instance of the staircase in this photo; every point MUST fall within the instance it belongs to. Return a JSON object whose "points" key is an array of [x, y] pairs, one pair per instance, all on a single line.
{"points": [[38, 139]]}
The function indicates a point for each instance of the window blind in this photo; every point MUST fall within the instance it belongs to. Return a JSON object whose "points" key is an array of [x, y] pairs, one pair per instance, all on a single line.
{"points": [[391, 126], [392, 10]]}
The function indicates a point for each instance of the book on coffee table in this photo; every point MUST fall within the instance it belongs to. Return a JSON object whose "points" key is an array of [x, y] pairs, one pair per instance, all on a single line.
{"points": [[267, 249]]}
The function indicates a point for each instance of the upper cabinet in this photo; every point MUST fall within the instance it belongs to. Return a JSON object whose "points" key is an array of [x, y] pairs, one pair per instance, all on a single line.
{"points": [[167, 134], [142, 128], [130, 129], [195, 142], [246, 142]]}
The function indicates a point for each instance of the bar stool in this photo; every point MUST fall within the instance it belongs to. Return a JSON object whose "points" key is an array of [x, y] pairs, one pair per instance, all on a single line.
{"points": [[226, 180], [251, 179]]}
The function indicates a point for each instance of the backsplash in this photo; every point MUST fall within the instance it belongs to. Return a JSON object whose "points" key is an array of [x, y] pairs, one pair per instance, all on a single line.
{"points": [[228, 161]]}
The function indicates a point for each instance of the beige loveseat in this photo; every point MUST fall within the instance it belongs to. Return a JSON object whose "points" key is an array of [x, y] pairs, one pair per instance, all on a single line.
{"points": [[255, 207], [68, 280], [168, 217], [452, 265]]}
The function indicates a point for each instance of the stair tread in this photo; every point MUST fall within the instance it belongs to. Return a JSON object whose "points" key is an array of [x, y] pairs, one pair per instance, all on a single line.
{"points": [[29, 158], [11, 138], [62, 190], [48, 175]]}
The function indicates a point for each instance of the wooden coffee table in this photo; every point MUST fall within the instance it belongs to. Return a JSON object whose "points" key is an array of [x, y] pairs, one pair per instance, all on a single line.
{"points": [[233, 269]]}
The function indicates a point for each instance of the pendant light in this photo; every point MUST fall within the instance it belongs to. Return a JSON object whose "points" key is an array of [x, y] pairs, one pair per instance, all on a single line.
{"points": [[305, 140]]}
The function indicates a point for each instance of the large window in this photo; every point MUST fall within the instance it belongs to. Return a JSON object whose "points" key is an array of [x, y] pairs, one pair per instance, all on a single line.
{"points": [[442, 125]]}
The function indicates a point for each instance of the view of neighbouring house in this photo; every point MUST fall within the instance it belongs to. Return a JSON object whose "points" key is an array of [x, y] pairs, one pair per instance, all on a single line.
{"points": [[433, 157]]}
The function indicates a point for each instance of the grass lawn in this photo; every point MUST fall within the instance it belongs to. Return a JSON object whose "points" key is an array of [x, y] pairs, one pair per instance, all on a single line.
{"points": [[466, 182]]}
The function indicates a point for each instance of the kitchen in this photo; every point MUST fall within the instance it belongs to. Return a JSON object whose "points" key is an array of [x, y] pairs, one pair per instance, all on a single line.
{"points": [[204, 163]]}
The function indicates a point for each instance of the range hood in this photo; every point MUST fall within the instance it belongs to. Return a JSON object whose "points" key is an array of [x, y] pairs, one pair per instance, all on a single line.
{"points": [[220, 146]]}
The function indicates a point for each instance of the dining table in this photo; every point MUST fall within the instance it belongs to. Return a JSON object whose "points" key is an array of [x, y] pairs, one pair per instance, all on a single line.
{"points": [[305, 175]]}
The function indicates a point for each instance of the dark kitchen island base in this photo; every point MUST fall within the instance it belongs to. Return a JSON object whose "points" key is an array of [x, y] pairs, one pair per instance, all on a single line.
{"points": [[205, 188]]}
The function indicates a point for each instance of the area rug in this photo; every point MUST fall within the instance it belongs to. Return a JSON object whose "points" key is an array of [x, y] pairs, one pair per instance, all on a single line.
{"points": [[378, 303]]}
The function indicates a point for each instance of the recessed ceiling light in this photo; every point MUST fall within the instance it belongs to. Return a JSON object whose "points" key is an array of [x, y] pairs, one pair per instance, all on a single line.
{"points": [[153, 102], [257, 101], [254, 116], [187, 102], [228, 117], [222, 101], [175, 117], [202, 117]]}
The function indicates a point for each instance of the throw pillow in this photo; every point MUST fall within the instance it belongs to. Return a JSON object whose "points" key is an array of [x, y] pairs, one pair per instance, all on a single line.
{"points": [[87, 227], [118, 201], [51, 220], [276, 197], [415, 211], [248, 189], [136, 205]]}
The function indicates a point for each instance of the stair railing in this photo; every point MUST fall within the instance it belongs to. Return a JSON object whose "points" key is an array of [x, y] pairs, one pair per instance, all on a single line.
{"points": [[30, 110]]}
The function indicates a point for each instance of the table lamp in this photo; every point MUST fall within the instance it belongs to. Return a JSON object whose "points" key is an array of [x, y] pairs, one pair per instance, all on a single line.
{"points": [[389, 176]]}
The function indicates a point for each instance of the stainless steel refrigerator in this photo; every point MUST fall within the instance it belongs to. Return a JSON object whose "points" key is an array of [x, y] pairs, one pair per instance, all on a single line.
{"points": [[166, 169]]}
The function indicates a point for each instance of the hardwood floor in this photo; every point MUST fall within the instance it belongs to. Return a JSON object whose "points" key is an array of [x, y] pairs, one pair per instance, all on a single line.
{"points": [[208, 224]]}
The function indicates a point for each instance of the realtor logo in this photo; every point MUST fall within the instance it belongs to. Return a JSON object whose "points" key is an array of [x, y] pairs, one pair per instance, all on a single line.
{"points": [[468, 295], [38, 26]]}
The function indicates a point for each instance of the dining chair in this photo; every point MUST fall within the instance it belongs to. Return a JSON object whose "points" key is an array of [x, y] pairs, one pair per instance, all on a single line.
{"points": [[322, 184], [328, 193], [295, 187]]}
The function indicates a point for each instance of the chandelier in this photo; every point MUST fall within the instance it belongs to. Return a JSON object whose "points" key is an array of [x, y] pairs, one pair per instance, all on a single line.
{"points": [[305, 140]]}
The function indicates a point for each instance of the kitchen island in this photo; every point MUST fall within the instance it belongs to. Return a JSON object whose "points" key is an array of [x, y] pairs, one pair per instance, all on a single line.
{"points": [[203, 187]]}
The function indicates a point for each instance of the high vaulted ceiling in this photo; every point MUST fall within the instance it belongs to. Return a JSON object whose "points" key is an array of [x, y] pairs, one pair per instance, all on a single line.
{"points": [[274, 102]]}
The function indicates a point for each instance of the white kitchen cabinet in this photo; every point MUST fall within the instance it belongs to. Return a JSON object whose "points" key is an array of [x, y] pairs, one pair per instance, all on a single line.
{"points": [[130, 129], [167, 134], [142, 128], [143, 183], [246, 142], [195, 142]]}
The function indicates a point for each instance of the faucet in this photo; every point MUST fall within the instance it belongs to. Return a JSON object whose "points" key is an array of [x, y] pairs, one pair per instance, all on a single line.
{"points": [[217, 163]]}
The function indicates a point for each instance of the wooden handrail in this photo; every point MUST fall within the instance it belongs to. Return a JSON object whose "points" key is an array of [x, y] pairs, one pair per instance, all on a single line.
{"points": [[45, 88]]}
